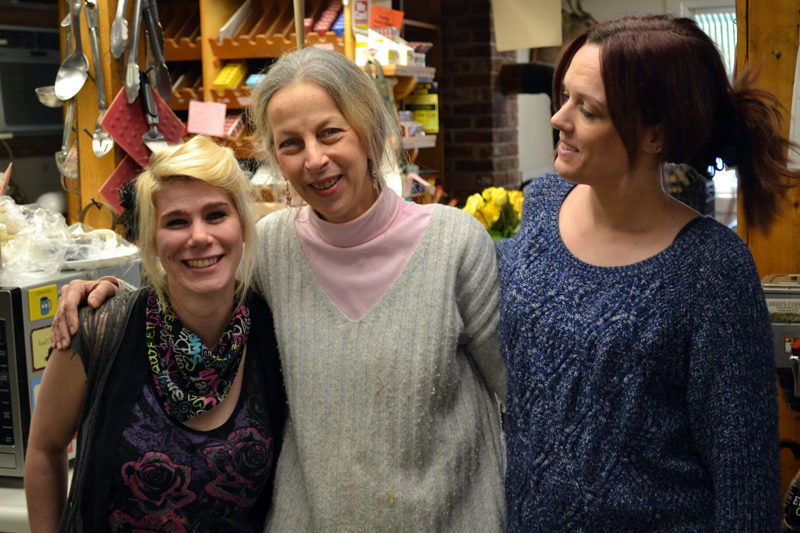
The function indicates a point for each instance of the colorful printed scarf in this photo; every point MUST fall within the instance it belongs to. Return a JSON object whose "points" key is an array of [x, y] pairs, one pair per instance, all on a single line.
{"points": [[191, 379]]}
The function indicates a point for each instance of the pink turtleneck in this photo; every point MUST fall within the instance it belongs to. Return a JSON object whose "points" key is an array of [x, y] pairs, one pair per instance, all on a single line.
{"points": [[356, 262]]}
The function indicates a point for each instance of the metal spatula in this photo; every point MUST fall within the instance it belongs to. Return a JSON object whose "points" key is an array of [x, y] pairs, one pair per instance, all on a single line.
{"points": [[152, 138]]}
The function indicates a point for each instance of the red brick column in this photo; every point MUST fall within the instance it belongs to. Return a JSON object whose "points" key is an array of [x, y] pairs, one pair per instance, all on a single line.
{"points": [[479, 122]]}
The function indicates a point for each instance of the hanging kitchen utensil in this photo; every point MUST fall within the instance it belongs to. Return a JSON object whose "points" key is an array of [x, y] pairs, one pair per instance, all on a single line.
{"points": [[156, 38], [102, 143], [61, 155], [132, 71], [119, 30], [73, 71], [152, 138], [47, 96]]}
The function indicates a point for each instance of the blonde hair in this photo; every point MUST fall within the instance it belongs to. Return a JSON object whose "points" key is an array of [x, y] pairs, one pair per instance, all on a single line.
{"points": [[202, 160], [350, 88]]}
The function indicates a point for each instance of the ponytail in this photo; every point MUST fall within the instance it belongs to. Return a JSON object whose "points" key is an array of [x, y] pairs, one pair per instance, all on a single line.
{"points": [[755, 146]]}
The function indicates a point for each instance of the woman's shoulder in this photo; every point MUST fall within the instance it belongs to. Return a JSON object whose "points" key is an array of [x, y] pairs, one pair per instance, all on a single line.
{"points": [[276, 220], [548, 182], [713, 241], [716, 255], [458, 224], [111, 310]]}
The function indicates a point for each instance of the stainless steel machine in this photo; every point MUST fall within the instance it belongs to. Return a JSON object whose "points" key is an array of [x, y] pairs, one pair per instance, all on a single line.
{"points": [[783, 301], [26, 314]]}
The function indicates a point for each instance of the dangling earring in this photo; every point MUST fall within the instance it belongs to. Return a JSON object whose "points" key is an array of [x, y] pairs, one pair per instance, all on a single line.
{"points": [[376, 182], [288, 193]]}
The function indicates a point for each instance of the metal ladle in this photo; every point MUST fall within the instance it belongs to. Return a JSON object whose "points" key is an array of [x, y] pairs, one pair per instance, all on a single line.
{"points": [[73, 71]]}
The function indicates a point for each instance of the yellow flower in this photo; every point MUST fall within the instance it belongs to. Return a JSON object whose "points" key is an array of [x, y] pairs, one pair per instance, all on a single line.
{"points": [[500, 196], [491, 211], [474, 204], [498, 210], [515, 199]]}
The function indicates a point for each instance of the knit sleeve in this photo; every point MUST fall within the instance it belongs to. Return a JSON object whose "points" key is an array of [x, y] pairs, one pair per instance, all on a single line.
{"points": [[477, 294], [732, 393]]}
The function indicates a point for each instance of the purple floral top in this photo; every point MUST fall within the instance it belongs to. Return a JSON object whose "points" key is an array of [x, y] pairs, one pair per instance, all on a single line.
{"points": [[167, 477]]}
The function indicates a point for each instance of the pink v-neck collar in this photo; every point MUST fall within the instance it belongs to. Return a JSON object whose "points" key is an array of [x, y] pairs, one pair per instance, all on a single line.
{"points": [[358, 261]]}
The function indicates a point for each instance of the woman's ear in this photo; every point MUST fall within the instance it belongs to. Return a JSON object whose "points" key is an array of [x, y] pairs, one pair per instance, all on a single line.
{"points": [[653, 139]]}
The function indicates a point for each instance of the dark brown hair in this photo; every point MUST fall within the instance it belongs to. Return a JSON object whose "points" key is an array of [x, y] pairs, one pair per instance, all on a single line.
{"points": [[664, 70]]}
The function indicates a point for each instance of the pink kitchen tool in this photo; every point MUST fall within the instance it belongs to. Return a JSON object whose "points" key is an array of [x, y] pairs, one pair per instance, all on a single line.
{"points": [[125, 172], [126, 123]]}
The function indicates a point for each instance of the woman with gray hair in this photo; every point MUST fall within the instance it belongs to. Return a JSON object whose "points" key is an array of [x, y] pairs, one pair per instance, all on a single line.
{"points": [[386, 316]]}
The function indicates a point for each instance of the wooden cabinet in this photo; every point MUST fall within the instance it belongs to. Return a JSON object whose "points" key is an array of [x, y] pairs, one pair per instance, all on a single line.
{"points": [[195, 55]]}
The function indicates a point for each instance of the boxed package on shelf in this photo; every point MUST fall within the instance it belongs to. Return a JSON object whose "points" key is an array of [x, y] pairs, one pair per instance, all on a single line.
{"points": [[234, 124], [361, 10], [230, 76], [328, 17], [253, 80], [425, 108], [385, 51]]}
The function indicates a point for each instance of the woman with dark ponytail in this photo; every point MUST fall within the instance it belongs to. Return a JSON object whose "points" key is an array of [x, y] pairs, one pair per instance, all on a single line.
{"points": [[641, 385]]}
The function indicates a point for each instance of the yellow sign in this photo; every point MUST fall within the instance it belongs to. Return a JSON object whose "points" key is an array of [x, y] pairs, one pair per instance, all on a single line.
{"points": [[40, 343], [42, 302]]}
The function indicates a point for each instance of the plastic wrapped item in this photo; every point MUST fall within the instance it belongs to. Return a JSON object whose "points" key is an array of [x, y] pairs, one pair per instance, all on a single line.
{"points": [[95, 248], [34, 240], [37, 242]]}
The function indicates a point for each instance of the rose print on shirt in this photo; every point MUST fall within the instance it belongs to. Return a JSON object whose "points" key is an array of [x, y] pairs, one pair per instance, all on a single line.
{"points": [[241, 465], [159, 485]]}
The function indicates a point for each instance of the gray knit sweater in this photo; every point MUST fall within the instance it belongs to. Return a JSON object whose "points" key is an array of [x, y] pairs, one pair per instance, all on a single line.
{"points": [[394, 423]]}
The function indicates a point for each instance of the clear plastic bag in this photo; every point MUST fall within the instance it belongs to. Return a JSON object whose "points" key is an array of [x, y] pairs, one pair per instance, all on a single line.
{"points": [[34, 240]]}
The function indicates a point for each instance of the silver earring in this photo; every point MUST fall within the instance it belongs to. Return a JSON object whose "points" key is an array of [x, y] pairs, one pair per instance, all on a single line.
{"points": [[288, 194]]}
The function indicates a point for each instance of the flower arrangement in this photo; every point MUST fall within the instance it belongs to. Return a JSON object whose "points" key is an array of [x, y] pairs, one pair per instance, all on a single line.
{"points": [[498, 210]]}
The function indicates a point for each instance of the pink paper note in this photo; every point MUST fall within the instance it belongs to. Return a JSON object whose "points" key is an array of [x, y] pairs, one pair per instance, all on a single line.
{"points": [[207, 118]]}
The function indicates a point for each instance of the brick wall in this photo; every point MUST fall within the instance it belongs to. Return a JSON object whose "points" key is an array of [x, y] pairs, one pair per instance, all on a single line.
{"points": [[479, 123]]}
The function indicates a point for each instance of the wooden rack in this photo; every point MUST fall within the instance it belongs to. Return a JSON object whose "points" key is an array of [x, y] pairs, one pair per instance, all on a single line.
{"points": [[192, 48]]}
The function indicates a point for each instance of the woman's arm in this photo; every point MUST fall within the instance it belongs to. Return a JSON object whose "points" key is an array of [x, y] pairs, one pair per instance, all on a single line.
{"points": [[478, 303], [732, 396], [54, 421]]}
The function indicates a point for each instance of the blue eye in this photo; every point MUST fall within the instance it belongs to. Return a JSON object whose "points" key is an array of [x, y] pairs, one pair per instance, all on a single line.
{"points": [[288, 143]]}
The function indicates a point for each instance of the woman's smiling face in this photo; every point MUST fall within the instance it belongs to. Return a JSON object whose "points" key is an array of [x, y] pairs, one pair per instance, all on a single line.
{"points": [[589, 148], [198, 238], [319, 153]]}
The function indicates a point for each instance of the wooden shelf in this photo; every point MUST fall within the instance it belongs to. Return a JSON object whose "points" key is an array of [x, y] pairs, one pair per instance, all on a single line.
{"points": [[419, 141], [261, 46], [420, 73]]}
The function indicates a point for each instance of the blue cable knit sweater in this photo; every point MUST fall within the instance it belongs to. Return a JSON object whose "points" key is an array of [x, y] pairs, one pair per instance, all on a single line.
{"points": [[640, 397]]}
